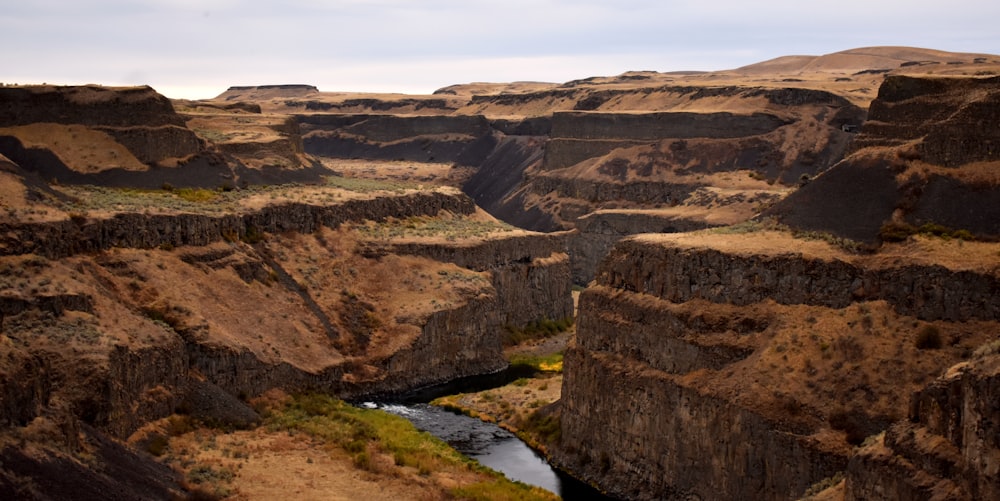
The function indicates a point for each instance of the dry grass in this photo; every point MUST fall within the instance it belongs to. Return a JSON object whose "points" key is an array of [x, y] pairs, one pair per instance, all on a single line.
{"points": [[414, 173], [81, 148], [314, 447]]}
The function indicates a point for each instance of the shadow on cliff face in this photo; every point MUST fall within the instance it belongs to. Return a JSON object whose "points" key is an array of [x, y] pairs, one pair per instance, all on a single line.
{"points": [[49, 473], [207, 169], [851, 200], [497, 186], [924, 158]]}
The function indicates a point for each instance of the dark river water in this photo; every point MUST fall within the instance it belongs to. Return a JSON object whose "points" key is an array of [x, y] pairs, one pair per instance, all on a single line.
{"points": [[487, 443]]}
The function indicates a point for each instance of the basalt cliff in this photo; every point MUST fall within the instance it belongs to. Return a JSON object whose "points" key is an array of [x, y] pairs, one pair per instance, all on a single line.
{"points": [[811, 306], [847, 341], [163, 284]]}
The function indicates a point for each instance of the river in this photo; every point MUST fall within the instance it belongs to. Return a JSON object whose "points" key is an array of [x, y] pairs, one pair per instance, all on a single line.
{"points": [[487, 443]]}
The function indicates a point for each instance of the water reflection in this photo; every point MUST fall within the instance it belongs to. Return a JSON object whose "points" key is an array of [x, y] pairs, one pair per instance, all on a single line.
{"points": [[489, 444]]}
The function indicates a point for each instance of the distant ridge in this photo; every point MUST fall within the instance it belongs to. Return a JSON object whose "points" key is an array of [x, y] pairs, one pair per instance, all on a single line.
{"points": [[267, 91], [275, 87], [865, 58]]}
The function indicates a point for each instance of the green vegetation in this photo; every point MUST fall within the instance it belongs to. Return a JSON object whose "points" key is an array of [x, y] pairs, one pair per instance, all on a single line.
{"points": [[538, 329], [749, 226], [541, 363], [213, 135], [354, 430], [898, 232], [852, 246], [197, 200], [492, 491], [197, 195], [363, 432], [540, 427], [823, 485], [223, 199]]}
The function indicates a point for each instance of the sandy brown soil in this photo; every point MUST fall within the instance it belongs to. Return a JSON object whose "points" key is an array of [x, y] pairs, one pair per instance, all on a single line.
{"points": [[81, 148], [427, 173], [273, 465], [952, 253]]}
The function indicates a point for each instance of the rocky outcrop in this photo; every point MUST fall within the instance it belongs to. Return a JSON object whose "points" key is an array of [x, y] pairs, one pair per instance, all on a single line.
{"points": [[86, 105], [530, 273], [679, 273], [579, 136], [917, 161], [641, 433], [152, 145], [465, 140], [498, 183], [597, 232], [948, 450], [46, 472], [950, 118], [65, 238], [164, 353], [650, 408]]}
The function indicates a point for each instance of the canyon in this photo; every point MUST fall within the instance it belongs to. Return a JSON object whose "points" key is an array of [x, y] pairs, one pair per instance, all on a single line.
{"points": [[789, 271]]}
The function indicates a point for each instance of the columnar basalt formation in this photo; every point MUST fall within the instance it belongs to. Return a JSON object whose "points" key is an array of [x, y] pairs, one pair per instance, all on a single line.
{"points": [[464, 140], [948, 449], [682, 379], [530, 273], [926, 156], [86, 105], [125, 291], [81, 234]]}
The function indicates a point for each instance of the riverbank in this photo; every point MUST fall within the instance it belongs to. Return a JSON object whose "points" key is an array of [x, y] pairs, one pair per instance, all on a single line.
{"points": [[318, 448], [525, 406]]}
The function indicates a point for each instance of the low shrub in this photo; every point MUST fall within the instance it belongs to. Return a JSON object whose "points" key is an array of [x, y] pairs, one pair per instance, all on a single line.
{"points": [[542, 427], [853, 423], [545, 363], [929, 338], [538, 329]]}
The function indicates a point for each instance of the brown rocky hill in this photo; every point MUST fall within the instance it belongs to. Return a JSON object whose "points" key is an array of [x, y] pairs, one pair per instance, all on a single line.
{"points": [[747, 362], [188, 256], [734, 364], [926, 157], [126, 306], [134, 137], [121, 304], [685, 150]]}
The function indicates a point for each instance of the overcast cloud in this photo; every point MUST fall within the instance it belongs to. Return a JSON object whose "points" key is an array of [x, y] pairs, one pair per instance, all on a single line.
{"points": [[198, 48]]}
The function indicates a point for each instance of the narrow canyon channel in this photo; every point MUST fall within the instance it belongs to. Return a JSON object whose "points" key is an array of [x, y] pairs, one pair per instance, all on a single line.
{"points": [[485, 442]]}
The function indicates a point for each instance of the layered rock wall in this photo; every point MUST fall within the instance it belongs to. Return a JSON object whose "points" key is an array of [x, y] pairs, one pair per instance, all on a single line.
{"points": [[639, 420], [658, 125], [641, 433], [530, 273], [466, 140], [152, 145], [147, 373], [599, 231], [64, 238], [949, 448], [86, 105], [952, 119], [577, 136], [680, 274]]}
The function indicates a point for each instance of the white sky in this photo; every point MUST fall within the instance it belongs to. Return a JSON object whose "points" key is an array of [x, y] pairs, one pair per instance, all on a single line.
{"points": [[198, 48]]}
